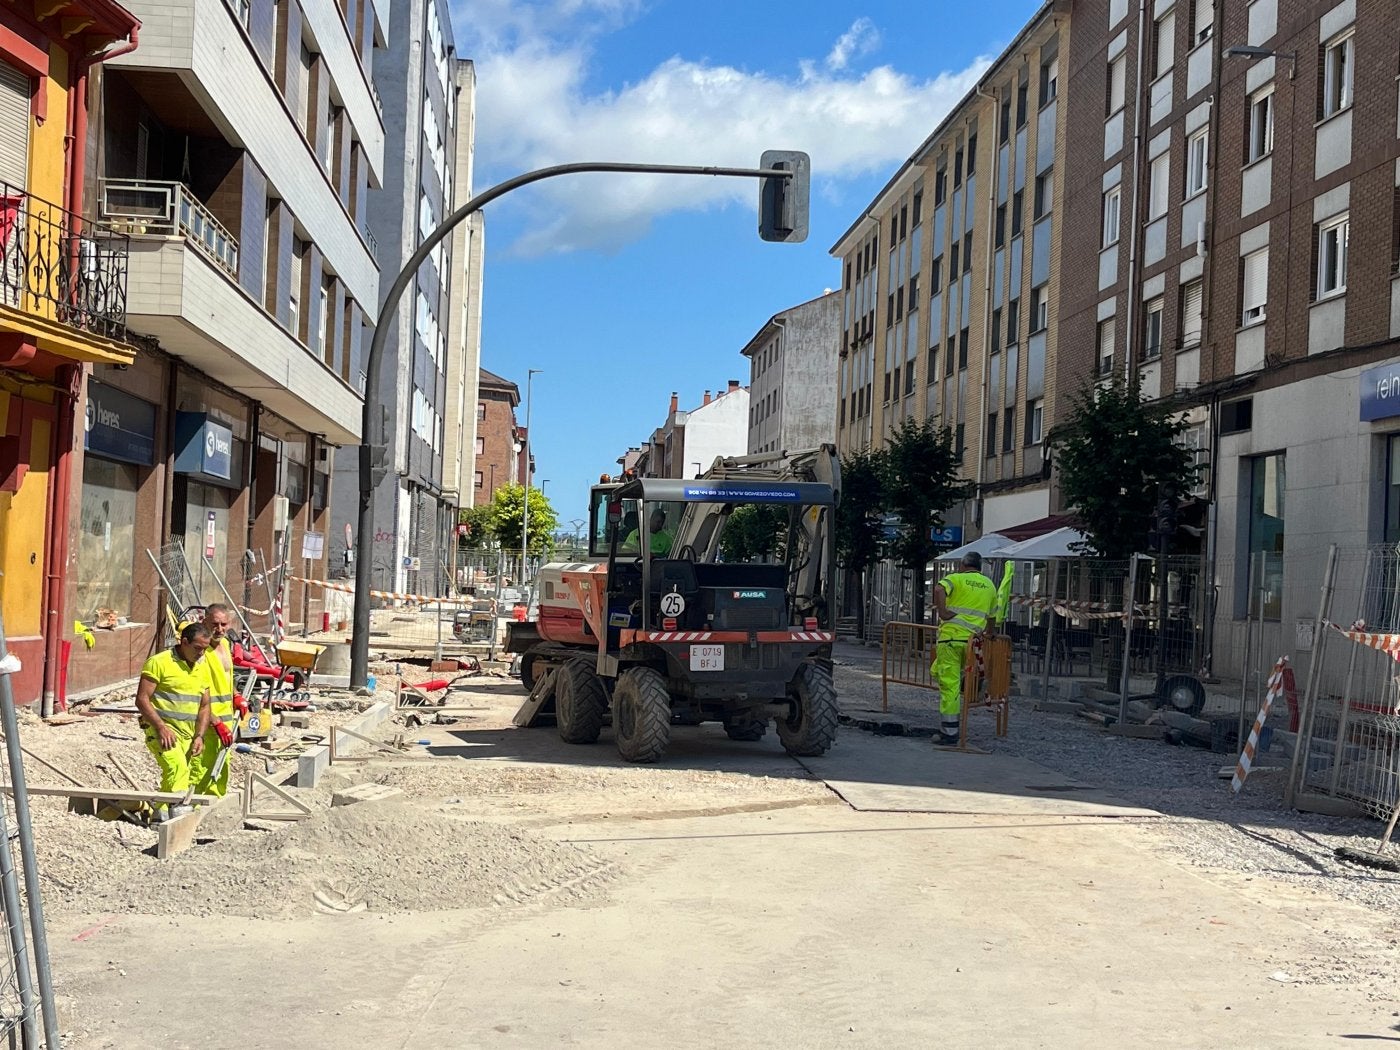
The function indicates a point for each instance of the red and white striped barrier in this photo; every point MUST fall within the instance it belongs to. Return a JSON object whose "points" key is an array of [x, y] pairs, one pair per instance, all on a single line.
{"points": [[1276, 687], [1386, 643]]}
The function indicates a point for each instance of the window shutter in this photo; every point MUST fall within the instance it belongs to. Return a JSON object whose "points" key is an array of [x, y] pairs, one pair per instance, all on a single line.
{"points": [[1256, 279], [1161, 171], [1191, 315], [1205, 17], [1118, 85], [15, 88], [1166, 41]]}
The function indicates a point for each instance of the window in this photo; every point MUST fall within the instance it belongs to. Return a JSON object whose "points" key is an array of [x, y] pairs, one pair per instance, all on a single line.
{"points": [[963, 340], [1105, 343], [1202, 20], [1040, 309], [1117, 84], [1152, 334], [1336, 77], [971, 156], [1255, 286], [478, 481], [1035, 421], [1044, 193], [1196, 152], [957, 169], [1160, 181], [960, 440], [1000, 236], [481, 446], [305, 111], [996, 331], [1261, 125], [1008, 431], [1332, 238], [1049, 81], [1164, 37], [950, 357], [1266, 519], [294, 295], [953, 262], [1017, 200], [1022, 99], [481, 410], [990, 444], [323, 306], [1013, 322], [106, 542], [1004, 134], [1392, 492], [936, 276], [1112, 205], [1191, 300], [940, 187], [967, 251]]}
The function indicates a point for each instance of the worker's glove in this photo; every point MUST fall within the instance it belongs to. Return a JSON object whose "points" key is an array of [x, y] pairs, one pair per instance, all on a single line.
{"points": [[240, 705], [225, 733]]}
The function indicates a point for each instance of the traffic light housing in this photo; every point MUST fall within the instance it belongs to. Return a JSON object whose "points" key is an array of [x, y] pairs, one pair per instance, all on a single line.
{"points": [[1164, 520], [784, 201]]}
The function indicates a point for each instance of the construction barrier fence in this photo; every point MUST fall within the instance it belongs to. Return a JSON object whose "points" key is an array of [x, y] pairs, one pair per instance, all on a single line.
{"points": [[907, 651]]}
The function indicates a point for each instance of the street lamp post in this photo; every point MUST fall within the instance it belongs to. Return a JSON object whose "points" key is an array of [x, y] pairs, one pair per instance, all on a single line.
{"points": [[525, 519]]}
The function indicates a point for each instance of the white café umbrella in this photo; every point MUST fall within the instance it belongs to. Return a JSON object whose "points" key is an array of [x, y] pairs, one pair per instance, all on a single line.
{"points": [[1061, 543], [987, 546]]}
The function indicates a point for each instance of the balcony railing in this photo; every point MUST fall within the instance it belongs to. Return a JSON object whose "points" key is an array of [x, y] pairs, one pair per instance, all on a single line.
{"points": [[56, 265], [170, 209]]}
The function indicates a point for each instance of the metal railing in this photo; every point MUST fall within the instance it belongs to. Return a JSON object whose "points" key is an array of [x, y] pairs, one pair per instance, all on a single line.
{"points": [[141, 207], [57, 265]]}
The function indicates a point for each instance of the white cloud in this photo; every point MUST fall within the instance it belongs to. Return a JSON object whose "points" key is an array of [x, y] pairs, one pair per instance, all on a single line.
{"points": [[536, 108], [861, 39]]}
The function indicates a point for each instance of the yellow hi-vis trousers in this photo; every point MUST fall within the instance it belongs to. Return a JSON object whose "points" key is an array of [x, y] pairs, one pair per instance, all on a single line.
{"points": [[947, 671]]}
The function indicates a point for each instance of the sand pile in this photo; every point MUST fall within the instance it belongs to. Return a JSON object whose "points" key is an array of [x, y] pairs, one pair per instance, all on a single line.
{"points": [[381, 856]]}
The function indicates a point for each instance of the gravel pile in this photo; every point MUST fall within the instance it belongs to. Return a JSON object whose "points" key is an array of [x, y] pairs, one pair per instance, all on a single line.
{"points": [[380, 856]]}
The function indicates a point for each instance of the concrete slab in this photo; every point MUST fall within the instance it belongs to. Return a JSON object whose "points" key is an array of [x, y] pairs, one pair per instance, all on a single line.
{"points": [[898, 775]]}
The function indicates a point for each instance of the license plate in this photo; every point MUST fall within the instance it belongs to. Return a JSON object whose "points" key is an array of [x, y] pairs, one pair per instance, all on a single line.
{"points": [[707, 658]]}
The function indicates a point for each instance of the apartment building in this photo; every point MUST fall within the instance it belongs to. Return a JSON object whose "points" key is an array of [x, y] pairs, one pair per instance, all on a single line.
{"points": [[464, 312], [235, 148], [417, 80], [690, 440], [950, 281], [1241, 191], [792, 377], [499, 442], [63, 311]]}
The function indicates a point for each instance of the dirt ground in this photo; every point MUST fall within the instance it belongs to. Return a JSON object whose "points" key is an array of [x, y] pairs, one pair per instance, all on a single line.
{"points": [[523, 892]]}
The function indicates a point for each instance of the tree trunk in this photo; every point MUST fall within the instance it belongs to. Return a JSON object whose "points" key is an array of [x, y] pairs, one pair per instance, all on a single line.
{"points": [[917, 579], [858, 580]]}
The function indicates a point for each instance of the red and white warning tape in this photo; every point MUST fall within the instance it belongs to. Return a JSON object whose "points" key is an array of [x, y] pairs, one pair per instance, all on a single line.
{"points": [[392, 595], [1276, 688], [1386, 643]]}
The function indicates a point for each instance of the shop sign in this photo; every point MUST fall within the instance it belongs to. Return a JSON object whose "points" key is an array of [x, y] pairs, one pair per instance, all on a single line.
{"points": [[949, 536], [204, 447], [1380, 392], [119, 426]]}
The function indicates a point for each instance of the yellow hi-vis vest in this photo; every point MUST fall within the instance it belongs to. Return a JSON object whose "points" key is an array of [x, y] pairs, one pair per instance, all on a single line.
{"points": [[971, 599], [179, 689], [220, 682]]}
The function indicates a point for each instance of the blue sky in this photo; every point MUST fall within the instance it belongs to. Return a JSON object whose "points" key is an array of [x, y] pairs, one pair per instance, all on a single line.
{"points": [[625, 288]]}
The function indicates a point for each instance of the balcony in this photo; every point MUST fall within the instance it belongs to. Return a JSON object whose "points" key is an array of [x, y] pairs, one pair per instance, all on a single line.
{"points": [[168, 209], [56, 266]]}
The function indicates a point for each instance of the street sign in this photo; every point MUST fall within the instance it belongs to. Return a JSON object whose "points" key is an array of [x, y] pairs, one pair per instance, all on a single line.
{"points": [[349, 536], [949, 536]]}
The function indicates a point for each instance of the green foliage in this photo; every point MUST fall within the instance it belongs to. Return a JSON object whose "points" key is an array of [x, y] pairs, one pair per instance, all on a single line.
{"points": [[754, 532], [1113, 451], [921, 479], [507, 519], [858, 531], [478, 522]]}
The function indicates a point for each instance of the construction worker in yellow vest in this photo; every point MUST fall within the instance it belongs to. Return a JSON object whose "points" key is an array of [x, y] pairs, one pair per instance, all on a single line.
{"points": [[963, 603], [224, 705], [173, 698]]}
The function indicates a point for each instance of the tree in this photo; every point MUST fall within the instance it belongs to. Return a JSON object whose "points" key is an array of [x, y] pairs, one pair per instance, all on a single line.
{"points": [[858, 529], [754, 532], [921, 470], [478, 522], [507, 514], [1115, 452]]}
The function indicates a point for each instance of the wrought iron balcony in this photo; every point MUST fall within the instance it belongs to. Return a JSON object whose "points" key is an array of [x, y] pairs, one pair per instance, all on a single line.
{"points": [[59, 266], [168, 209]]}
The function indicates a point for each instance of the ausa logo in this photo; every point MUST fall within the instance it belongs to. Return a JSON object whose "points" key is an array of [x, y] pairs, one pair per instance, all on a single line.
{"points": [[739, 595]]}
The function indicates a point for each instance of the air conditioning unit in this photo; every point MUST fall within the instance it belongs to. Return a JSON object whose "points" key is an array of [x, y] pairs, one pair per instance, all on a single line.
{"points": [[281, 511]]}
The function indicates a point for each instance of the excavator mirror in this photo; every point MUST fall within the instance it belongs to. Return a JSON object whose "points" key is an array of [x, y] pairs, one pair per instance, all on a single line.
{"points": [[615, 513]]}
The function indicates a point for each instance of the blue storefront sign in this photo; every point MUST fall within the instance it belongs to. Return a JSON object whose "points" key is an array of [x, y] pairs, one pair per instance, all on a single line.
{"points": [[1380, 392], [119, 426], [947, 536], [203, 447]]}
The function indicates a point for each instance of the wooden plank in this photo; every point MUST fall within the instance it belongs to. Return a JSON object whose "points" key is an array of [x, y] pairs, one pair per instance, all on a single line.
{"points": [[299, 810], [177, 835], [115, 794], [135, 785], [529, 712]]}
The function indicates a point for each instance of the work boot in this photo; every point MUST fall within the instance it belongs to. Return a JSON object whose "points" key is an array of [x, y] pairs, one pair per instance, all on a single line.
{"points": [[946, 739]]}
